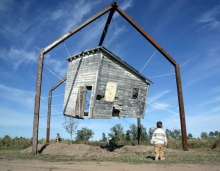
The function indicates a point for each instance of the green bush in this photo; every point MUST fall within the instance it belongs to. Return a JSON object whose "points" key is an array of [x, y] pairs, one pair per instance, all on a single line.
{"points": [[200, 144], [7, 142]]}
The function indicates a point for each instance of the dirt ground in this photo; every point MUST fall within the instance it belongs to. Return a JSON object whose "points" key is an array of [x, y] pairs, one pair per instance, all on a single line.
{"points": [[36, 165], [81, 151]]}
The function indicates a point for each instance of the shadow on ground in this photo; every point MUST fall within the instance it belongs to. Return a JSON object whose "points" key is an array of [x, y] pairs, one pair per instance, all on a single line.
{"points": [[150, 157], [111, 148], [42, 148]]}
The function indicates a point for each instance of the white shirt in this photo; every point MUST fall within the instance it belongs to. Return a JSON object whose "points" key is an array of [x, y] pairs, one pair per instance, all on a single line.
{"points": [[159, 137]]}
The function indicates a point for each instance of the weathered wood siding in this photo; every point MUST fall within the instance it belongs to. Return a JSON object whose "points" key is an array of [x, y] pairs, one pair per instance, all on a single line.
{"points": [[126, 81], [87, 67], [96, 69]]}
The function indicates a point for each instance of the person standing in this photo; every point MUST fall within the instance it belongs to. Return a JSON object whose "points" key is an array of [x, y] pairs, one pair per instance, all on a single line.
{"points": [[159, 139], [58, 138]]}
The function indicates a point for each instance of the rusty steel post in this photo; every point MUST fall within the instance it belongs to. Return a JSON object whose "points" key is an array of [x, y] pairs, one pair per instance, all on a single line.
{"points": [[114, 5], [48, 117], [181, 108], [40, 68], [139, 130], [37, 103], [49, 108], [174, 63]]}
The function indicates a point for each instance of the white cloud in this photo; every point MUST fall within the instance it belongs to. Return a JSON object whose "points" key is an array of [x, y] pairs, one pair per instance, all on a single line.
{"points": [[214, 91], [112, 40], [191, 81], [10, 117], [80, 9], [202, 123], [18, 56], [22, 97], [126, 4], [209, 19], [211, 101], [57, 14], [211, 65], [93, 35], [18, 24], [212, 111], [209, 15], [195, 123], [189, 58], [204, 68], [94, 125], [167, 16]]}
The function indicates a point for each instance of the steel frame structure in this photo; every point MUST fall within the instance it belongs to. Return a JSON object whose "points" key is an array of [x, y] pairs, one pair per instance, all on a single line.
{"points": [[49, 108], [112, 8]]}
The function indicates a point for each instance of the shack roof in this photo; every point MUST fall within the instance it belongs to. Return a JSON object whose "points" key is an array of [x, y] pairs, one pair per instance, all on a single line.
{"points": [[104, 50]]}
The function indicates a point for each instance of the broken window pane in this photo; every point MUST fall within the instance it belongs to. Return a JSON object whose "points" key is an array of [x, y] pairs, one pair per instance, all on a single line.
{"points": [[135, 93]]}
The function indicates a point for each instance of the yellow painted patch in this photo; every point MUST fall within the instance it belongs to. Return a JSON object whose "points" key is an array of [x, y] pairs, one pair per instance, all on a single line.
{"points": [[110, 91]]}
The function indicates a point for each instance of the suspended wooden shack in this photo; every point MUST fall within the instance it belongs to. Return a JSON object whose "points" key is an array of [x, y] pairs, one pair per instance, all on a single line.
{"points": [[117, 89]]}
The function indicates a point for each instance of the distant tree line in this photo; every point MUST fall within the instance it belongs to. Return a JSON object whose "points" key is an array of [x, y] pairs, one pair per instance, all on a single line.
{"points": [[118, 135], [205, 135]]}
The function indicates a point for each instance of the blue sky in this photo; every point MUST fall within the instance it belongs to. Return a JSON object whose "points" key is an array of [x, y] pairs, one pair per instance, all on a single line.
{"points": [[188, 30]]}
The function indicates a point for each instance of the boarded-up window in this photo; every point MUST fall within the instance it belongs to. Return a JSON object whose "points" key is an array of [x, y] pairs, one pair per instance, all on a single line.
{"points": [[110, 91]]}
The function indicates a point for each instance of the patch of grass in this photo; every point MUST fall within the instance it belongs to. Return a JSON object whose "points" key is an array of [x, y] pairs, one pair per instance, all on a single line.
{"points": [[137, 153], [13, 148], [206, 157], [193, 159]]}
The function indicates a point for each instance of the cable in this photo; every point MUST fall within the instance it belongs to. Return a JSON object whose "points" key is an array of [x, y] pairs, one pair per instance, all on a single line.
{"points": [[126, 121], [161, 75], [44, 97], [66, 49], [44, 116], [57, 104], [53, 73], [162, 107], [148, 61], [159, 106], [56, 112]]}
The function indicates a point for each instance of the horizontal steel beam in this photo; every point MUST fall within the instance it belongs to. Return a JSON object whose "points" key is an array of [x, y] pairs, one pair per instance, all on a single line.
{"points": [[76, 29]]}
